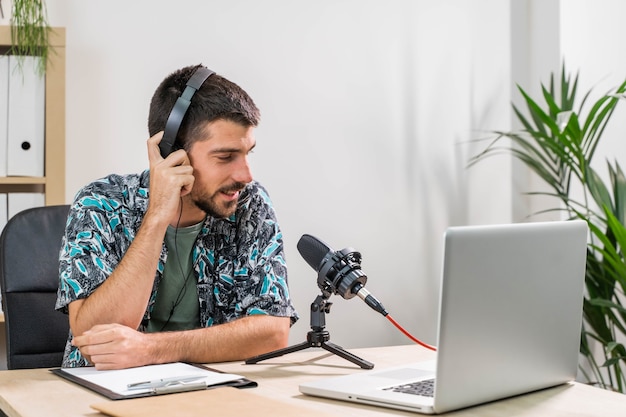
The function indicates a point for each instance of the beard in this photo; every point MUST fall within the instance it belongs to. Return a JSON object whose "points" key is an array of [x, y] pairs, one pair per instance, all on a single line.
{"points": [[211, 205]]}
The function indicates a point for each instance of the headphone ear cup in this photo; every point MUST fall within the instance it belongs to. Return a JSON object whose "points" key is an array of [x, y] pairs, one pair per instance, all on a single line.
{"points": [[165, 148]]}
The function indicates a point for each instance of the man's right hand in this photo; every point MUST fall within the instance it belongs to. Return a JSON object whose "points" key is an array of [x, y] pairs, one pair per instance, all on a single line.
{"points": [[170, 179]]}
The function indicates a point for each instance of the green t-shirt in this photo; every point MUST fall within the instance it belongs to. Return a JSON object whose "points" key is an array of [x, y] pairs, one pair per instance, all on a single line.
{"points": [[177, 306]]}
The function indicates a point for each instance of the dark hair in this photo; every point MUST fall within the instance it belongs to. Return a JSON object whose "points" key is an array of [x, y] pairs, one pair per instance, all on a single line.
{"points": [[217, 99]]}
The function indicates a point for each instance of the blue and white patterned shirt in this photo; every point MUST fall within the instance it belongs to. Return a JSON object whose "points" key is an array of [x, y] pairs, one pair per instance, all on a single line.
{"points": [[238, 262]]}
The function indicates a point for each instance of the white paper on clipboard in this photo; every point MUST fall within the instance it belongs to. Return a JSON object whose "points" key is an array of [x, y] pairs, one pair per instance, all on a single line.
{"points": [[115, 383]]}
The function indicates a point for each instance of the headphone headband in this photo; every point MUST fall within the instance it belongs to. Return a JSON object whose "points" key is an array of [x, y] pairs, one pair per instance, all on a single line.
{"points": [[181, 106]]}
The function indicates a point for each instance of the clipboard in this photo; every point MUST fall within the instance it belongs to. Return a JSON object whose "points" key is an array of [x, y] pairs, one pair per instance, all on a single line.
{"points": [[117, 384]]}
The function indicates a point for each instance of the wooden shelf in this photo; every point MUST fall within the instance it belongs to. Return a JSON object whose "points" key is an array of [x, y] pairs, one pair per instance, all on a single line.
{"points": [[22, 180], [54, 157]]}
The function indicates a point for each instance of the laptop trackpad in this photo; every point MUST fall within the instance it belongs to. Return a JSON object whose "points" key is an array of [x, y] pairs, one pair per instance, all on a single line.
{"points": [[404, 374]]}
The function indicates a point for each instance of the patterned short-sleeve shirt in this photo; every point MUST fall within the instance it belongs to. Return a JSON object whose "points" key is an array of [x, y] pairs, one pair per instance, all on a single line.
{"points": [[238, 262]]}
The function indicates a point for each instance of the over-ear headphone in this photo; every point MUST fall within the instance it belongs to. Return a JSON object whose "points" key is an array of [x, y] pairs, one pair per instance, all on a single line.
{"points": [[181, 106]]}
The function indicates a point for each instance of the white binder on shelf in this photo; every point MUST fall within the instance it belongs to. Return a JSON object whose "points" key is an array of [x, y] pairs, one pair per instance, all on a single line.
{"points": [[4, 217], [17, 202], [4, 112], [4, 214], [25, 151]]}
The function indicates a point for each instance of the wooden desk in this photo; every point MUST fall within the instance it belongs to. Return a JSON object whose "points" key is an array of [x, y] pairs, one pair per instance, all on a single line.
{"points": [[37, 392]]}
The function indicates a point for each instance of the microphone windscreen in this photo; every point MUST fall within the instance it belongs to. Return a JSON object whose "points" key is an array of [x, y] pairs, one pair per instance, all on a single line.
{"points": [[312, 250]]}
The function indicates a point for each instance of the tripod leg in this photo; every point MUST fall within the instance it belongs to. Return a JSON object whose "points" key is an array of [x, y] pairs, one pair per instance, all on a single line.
{"points": [[317, 337], [339, 351], [279, 352]]}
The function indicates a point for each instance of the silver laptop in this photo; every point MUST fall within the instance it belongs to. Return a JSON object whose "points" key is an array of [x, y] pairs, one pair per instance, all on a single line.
{"points": [[510, 318]]}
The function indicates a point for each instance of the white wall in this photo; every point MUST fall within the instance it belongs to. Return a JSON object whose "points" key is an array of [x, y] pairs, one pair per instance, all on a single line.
{"points": [[368, 109], [592, 34]]}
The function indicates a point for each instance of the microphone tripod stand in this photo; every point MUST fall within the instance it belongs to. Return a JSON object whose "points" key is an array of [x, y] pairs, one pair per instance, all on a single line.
{"points": [[317, 337]]}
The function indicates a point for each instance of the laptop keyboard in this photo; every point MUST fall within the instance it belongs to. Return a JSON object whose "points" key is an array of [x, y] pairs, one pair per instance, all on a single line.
{"points": [[425, 388]]}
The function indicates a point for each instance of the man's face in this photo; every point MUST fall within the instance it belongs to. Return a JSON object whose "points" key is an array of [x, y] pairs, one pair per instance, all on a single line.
{"points": [[220, 167]]}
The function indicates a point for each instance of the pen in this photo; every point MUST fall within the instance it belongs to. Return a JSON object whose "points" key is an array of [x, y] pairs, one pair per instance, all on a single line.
{"points": [[164, 382], [178, 388]]}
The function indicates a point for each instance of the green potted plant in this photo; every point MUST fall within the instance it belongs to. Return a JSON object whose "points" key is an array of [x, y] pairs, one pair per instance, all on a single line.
{"points": [[558, 142], [29, 31]]}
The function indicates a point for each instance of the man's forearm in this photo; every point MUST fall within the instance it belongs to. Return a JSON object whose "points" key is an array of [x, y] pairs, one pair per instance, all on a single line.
{"points": [[237, 340]]}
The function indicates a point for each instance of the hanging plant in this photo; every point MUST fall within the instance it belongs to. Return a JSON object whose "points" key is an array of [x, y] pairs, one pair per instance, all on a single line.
{"points": [[29, 31]]}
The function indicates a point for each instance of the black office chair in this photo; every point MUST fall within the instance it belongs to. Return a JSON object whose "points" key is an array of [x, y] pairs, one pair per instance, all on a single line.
{"points": [[29, 278]]}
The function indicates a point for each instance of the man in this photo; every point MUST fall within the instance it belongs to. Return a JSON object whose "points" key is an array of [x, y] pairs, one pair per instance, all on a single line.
{"points": [[185, 261]]}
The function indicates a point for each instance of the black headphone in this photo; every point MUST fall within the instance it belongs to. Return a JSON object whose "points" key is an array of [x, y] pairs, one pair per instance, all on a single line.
{"points": [[181, 106]]}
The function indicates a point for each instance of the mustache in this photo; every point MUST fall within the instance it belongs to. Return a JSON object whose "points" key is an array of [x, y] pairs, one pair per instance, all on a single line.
{"points": [[237, 186]]}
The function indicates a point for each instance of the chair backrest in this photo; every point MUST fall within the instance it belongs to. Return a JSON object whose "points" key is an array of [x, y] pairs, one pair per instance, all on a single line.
{"points": [[29, 278]]}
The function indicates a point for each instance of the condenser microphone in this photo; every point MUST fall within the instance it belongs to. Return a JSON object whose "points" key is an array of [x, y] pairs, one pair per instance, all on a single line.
{"points": [[338, 272]]}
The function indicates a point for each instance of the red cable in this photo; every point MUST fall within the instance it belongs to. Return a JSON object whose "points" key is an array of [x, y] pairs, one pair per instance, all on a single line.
{"points": [[419, 342]]}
